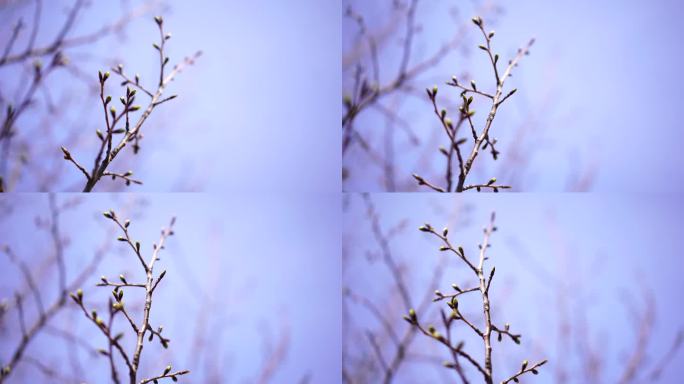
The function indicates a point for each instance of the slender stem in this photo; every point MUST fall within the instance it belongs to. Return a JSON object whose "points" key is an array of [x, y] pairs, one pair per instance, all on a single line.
{"points": [[486, 334]]}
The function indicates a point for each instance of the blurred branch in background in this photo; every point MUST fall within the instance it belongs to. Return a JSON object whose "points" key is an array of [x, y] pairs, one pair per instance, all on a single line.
{"points": [[378, 353], [583, 345], [37, 290]]}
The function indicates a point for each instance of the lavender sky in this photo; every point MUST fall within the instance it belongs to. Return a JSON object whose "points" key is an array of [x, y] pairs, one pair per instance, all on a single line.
{"points": [[609, 250], [259, 110], [254, 267], [598, 95]]}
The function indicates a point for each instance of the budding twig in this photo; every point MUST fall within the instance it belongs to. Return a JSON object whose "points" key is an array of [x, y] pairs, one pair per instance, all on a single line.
{"points": [[131, 133], [23, 51], [140, 329], [368, 90], [481, 138], [484, 281]]}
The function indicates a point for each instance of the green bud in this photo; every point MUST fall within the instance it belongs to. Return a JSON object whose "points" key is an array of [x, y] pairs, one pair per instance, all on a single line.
{"points": [[454, 303]]}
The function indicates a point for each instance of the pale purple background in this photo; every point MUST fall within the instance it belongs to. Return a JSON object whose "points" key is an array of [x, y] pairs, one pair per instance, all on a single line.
{"points": [[602, 86], [268, 262], [611, 247], [259, 110]]}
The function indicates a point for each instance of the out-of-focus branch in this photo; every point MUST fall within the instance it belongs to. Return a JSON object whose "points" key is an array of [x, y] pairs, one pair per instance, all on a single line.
{"points": [[62, 40], [274, 359], [391, 358], [45, 313]]}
